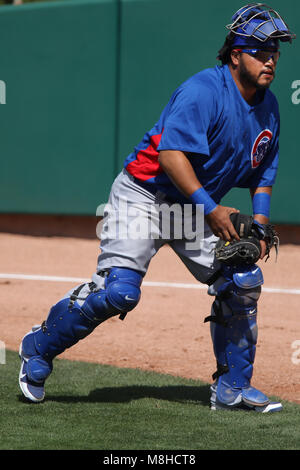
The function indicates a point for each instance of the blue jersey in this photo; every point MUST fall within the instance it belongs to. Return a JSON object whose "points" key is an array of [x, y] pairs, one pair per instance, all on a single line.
{"points": [[228, 142]]}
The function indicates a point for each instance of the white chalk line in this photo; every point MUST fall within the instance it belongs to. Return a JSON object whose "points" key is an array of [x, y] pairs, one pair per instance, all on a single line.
{"points": [[177, 285]]}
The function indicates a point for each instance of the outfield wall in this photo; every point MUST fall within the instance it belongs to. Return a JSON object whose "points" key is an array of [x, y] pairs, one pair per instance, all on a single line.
{"points": [[82, 80]]}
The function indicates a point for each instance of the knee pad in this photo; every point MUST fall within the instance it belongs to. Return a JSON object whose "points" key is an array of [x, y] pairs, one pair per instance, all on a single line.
{"points": [[239, 288], [121, 294], [123, 288], [234, 323]]}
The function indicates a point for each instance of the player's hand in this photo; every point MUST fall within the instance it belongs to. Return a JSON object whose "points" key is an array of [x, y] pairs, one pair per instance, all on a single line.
{"points": [[220, 223]]}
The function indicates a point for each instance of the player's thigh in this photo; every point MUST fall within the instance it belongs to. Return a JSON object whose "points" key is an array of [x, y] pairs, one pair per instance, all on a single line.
{"points": [[128, 236], [198, 254]]}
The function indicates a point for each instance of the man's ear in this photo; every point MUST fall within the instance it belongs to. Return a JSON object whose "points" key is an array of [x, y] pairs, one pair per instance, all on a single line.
{"points": [[235, 57]]}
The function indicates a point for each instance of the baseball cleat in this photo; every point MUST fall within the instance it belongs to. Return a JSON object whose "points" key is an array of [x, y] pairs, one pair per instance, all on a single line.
{"points": [[34, 391], [34, 369], [242, 403]]}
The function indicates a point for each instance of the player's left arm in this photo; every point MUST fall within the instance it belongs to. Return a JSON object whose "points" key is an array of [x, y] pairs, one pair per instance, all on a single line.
{"points": [[261, 199]]}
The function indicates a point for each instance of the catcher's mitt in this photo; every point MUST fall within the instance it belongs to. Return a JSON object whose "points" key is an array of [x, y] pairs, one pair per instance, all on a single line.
{"points": [[247, 250]]}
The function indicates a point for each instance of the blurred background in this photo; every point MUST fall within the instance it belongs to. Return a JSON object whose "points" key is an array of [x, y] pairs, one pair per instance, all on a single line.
{"points": [[81, 82]]}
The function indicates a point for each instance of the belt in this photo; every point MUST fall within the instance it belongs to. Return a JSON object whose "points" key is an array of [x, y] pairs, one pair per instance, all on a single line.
{"points": [[148, 186]]}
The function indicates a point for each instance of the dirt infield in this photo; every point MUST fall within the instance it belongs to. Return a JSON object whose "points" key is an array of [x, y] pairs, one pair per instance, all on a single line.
{"points": [[165, 333]]}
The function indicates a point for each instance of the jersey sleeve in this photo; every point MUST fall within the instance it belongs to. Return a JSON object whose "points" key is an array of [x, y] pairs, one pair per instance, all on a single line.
{"points": [[188, 120]]}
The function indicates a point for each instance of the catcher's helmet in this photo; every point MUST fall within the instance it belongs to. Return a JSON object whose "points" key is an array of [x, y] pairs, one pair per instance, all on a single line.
{"points": [[255, 25], [260, 22]]}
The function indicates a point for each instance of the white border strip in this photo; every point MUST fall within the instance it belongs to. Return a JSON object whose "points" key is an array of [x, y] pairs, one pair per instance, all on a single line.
{"points": [[177, 285]]}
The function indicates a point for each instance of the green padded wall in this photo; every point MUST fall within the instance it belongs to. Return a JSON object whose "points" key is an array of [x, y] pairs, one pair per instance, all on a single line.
{"points": [[58, 133]]}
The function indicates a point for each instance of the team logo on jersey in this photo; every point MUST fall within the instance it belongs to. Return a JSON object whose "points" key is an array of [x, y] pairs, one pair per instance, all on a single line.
{"points": [[260, 147]]}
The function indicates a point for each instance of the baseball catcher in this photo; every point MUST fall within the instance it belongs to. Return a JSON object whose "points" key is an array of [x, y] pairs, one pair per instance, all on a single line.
{"points": [[218, 131]]}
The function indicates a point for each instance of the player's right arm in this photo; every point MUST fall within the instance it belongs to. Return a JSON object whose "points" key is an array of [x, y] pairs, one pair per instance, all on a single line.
{"points": [[180, 171]]}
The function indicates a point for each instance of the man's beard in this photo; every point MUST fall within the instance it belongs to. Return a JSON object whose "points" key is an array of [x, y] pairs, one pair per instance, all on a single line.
{"points": [[248, 79]]}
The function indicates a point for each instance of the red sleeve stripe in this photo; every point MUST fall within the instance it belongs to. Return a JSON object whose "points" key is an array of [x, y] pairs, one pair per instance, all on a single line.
{"points": [[146, 164]]}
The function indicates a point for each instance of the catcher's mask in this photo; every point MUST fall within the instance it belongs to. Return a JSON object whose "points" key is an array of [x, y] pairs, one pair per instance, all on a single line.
{"points": [[257, 26], [258, 22]]}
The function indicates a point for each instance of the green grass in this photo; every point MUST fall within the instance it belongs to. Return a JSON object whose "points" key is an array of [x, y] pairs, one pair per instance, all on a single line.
{"points": [[90, 406]]}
